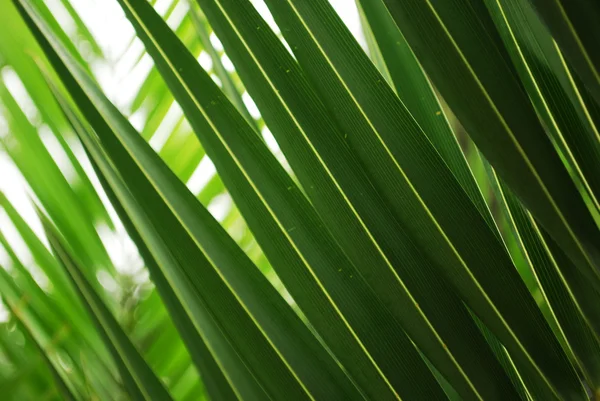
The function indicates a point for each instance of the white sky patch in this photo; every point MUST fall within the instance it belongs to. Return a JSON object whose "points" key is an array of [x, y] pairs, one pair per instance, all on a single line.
{"points": [[201, 175], [348, 12], [107, 281], [62, 16], [107, 23], [121, 249], [215, 42], [16, 243], [89, 171], [164, 130], [205, 61], [274, 147], [138, 119], [161, 6], [4, 314], [226, 61], [132, 54], [250, 105], [289, 49], [220, 206], [39, 276], [270, 140], [3, 126], [179, 12], [263, 10], [121, 81], [132, 82], [17, 90], [14, 186], [216, 80], [57, 153], [5, 261]]}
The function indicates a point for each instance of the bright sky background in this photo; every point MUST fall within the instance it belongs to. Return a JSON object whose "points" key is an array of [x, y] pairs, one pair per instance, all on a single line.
{"points": [[120, 82]]}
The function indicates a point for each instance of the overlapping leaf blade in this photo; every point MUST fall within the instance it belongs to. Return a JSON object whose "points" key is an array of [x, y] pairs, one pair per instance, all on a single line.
{"points": [[415, 91], [552, 88], [283, 189], [229, 88], [557, 99], [414, 179], [545, 258], [341, 192], [574, 24], [224, 256], [464, 52]]}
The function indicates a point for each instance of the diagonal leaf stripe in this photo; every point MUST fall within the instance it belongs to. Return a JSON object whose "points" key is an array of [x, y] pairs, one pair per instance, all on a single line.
{"points": [[229, 88], [556, 98], [240, 379], [434, 292]]}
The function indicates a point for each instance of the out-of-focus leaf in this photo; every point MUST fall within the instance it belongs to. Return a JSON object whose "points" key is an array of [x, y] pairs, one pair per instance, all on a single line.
{"points": [[50, 186], [62, 387], [213, 378], [138, 378]]}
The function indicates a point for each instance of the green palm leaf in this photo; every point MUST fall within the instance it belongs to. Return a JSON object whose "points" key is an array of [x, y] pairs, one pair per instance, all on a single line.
{"points": [[286, 200]]}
